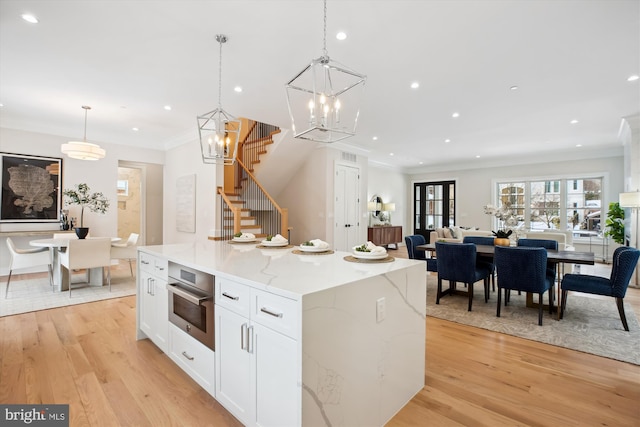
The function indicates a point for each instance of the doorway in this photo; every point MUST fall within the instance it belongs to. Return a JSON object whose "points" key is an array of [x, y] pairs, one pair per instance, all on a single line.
{"points": [[434, 206], [129, 187], [347, 207]]}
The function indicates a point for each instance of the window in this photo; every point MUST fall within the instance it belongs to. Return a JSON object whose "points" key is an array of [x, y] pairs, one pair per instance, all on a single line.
{"points": [[562, 204], [433, 206]]}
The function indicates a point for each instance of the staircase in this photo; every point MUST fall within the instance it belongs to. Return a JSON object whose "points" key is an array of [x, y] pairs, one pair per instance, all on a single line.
{"points": [[246, 206]]}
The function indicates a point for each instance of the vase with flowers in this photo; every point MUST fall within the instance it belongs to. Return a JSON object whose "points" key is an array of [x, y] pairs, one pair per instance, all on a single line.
{"points": [[95, 202]]}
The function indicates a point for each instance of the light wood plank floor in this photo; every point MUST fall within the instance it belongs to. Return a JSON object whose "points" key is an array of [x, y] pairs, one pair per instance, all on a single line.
{"points": [[87, 356]]}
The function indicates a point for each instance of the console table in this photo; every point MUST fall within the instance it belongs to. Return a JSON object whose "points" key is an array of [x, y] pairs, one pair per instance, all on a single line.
{"points": [[385, 235]]}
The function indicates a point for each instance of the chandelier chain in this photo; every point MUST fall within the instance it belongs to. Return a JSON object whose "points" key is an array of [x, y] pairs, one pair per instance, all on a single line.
{"points": [[220, 41], [324, 40]]}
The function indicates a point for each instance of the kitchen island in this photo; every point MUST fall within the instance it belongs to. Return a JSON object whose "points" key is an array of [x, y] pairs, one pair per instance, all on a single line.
{"points": [[309, 340]]}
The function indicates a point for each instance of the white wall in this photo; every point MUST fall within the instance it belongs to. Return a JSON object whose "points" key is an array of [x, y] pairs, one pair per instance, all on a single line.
{"points": [[182, 161], [474, 186], [392, 187], [100, 175]]}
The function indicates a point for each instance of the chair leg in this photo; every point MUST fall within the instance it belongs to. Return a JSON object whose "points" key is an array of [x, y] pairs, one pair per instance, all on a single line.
{"points": [[620, 303], [130, 267], [551, 299], [486, 290], [6, 292], [499, 298], [439, 292], [50, 271], [470, 295], [540, 309], [493, 281], [563, 302], [109, 277]]}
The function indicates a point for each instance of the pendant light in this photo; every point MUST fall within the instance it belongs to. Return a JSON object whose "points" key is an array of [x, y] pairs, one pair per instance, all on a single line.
{"points": [[83, 150], [324, 98], [219, 130]]}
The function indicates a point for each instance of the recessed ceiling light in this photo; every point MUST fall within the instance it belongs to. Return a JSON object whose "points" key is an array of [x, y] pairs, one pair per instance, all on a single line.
{"points": [[135, 129], [29, 18], [341, 35], [455, 115], [420, 163], [167, 107], [1, 105], [391, 154], [375, 138], [415, 85], [574, 121], [514, 87], [578, 145], [447, 141], [238, 89], [633, 78], [478, 156]]}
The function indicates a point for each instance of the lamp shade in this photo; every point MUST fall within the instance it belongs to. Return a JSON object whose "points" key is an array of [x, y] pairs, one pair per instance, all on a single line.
{"points": [[389, 207], [371, 206], [83, 150], [630, 199]]}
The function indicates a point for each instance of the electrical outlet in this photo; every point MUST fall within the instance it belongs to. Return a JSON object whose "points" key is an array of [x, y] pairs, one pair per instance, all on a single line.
{"points": [[381, 310]]}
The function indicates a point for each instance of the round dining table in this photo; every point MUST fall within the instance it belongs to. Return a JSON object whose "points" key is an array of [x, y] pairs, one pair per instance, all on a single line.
{"points": [[60, 275]]}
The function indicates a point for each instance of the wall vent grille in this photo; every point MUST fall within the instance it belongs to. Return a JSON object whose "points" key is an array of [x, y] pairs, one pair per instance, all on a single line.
{"points": [[349, 157]]}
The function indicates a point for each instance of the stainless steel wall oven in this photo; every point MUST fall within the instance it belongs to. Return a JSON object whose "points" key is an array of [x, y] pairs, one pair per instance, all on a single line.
{"points": [[191, 302]]}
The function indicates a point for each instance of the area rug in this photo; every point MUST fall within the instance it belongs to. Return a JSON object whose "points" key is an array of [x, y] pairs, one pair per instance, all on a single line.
{"points": [[35, 293], [591, 325]]}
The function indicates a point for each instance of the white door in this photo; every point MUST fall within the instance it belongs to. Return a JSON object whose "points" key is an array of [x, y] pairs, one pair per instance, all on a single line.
{"points": [[347, 207]]}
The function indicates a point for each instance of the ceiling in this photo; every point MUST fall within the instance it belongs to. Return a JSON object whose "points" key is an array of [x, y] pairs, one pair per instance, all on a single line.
{"points": [[128, 59]]}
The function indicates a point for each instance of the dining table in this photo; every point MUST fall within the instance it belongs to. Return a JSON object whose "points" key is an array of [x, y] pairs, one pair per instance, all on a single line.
{"points": [[554, 256], [61, 275]]}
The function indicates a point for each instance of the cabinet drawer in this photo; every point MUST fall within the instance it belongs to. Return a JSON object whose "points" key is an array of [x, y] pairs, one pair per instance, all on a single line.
{"points": [[154, 265], [234, 296], [278, 313], [193, 357]]}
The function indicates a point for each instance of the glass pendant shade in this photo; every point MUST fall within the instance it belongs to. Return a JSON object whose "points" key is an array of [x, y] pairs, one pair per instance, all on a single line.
{"points": [[219, 132], [324, 101]]}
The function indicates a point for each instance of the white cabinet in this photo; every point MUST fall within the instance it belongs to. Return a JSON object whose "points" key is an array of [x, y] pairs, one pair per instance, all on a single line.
{"points": [[153, 318], [193, 357], [257, 368]]}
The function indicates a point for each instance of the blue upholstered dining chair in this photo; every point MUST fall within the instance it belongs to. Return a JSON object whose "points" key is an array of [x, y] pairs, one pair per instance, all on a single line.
{"points": [[625, 260], [457, 262], [488, 241], [417, 239], [523, 269], [543, 243]]}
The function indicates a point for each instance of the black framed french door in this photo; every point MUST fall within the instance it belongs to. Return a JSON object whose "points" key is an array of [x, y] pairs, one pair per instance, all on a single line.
{"points": [[434, 206]]}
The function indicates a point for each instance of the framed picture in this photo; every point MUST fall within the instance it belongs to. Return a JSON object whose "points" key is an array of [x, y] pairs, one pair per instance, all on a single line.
{"points": [[30, 188]]}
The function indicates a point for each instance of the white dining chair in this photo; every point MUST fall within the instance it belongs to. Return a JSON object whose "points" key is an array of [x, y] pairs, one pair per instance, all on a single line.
{"points": [[26, 258], [127, 250], [87, 254], [67, 236]]}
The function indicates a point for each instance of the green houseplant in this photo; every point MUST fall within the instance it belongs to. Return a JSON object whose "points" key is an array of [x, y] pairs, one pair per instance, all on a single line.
{"points": [[614, 224], [95, 202]]}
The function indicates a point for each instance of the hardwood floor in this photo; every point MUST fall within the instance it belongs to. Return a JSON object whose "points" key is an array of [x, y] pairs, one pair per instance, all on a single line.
{"points": [[87, 356]]}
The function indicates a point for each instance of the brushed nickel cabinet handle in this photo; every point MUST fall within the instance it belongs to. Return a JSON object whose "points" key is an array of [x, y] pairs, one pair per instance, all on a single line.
{"points": [[270, 313], [226, 295], [185, 354]]}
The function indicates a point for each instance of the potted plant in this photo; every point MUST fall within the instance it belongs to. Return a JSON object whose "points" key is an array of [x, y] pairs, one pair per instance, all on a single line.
{"points": [[81, 196], [502, 237], [615, 223]]}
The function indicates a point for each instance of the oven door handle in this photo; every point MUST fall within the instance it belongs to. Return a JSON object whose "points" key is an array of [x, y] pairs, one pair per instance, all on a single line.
{"points": [[187, 295]]}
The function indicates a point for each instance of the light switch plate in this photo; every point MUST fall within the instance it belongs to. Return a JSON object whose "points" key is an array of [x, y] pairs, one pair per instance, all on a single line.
{"points": [[381, 309]]}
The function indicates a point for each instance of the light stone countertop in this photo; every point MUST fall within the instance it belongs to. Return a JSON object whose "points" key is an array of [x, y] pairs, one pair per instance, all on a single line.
{"points": [[275, 270]]}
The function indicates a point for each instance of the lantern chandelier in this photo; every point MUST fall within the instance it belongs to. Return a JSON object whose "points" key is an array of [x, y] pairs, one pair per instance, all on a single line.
{"points": [[83, 150], [219, 130], [323, 98]]}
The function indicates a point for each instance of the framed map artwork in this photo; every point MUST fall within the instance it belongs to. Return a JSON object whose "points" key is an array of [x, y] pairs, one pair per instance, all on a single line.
{"points": [[30, 188]]}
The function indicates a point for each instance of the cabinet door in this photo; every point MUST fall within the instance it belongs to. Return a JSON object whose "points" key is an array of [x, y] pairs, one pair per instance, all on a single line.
{"points": [[233, 364], [146, 303], [161, 305], [276, 378]]}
